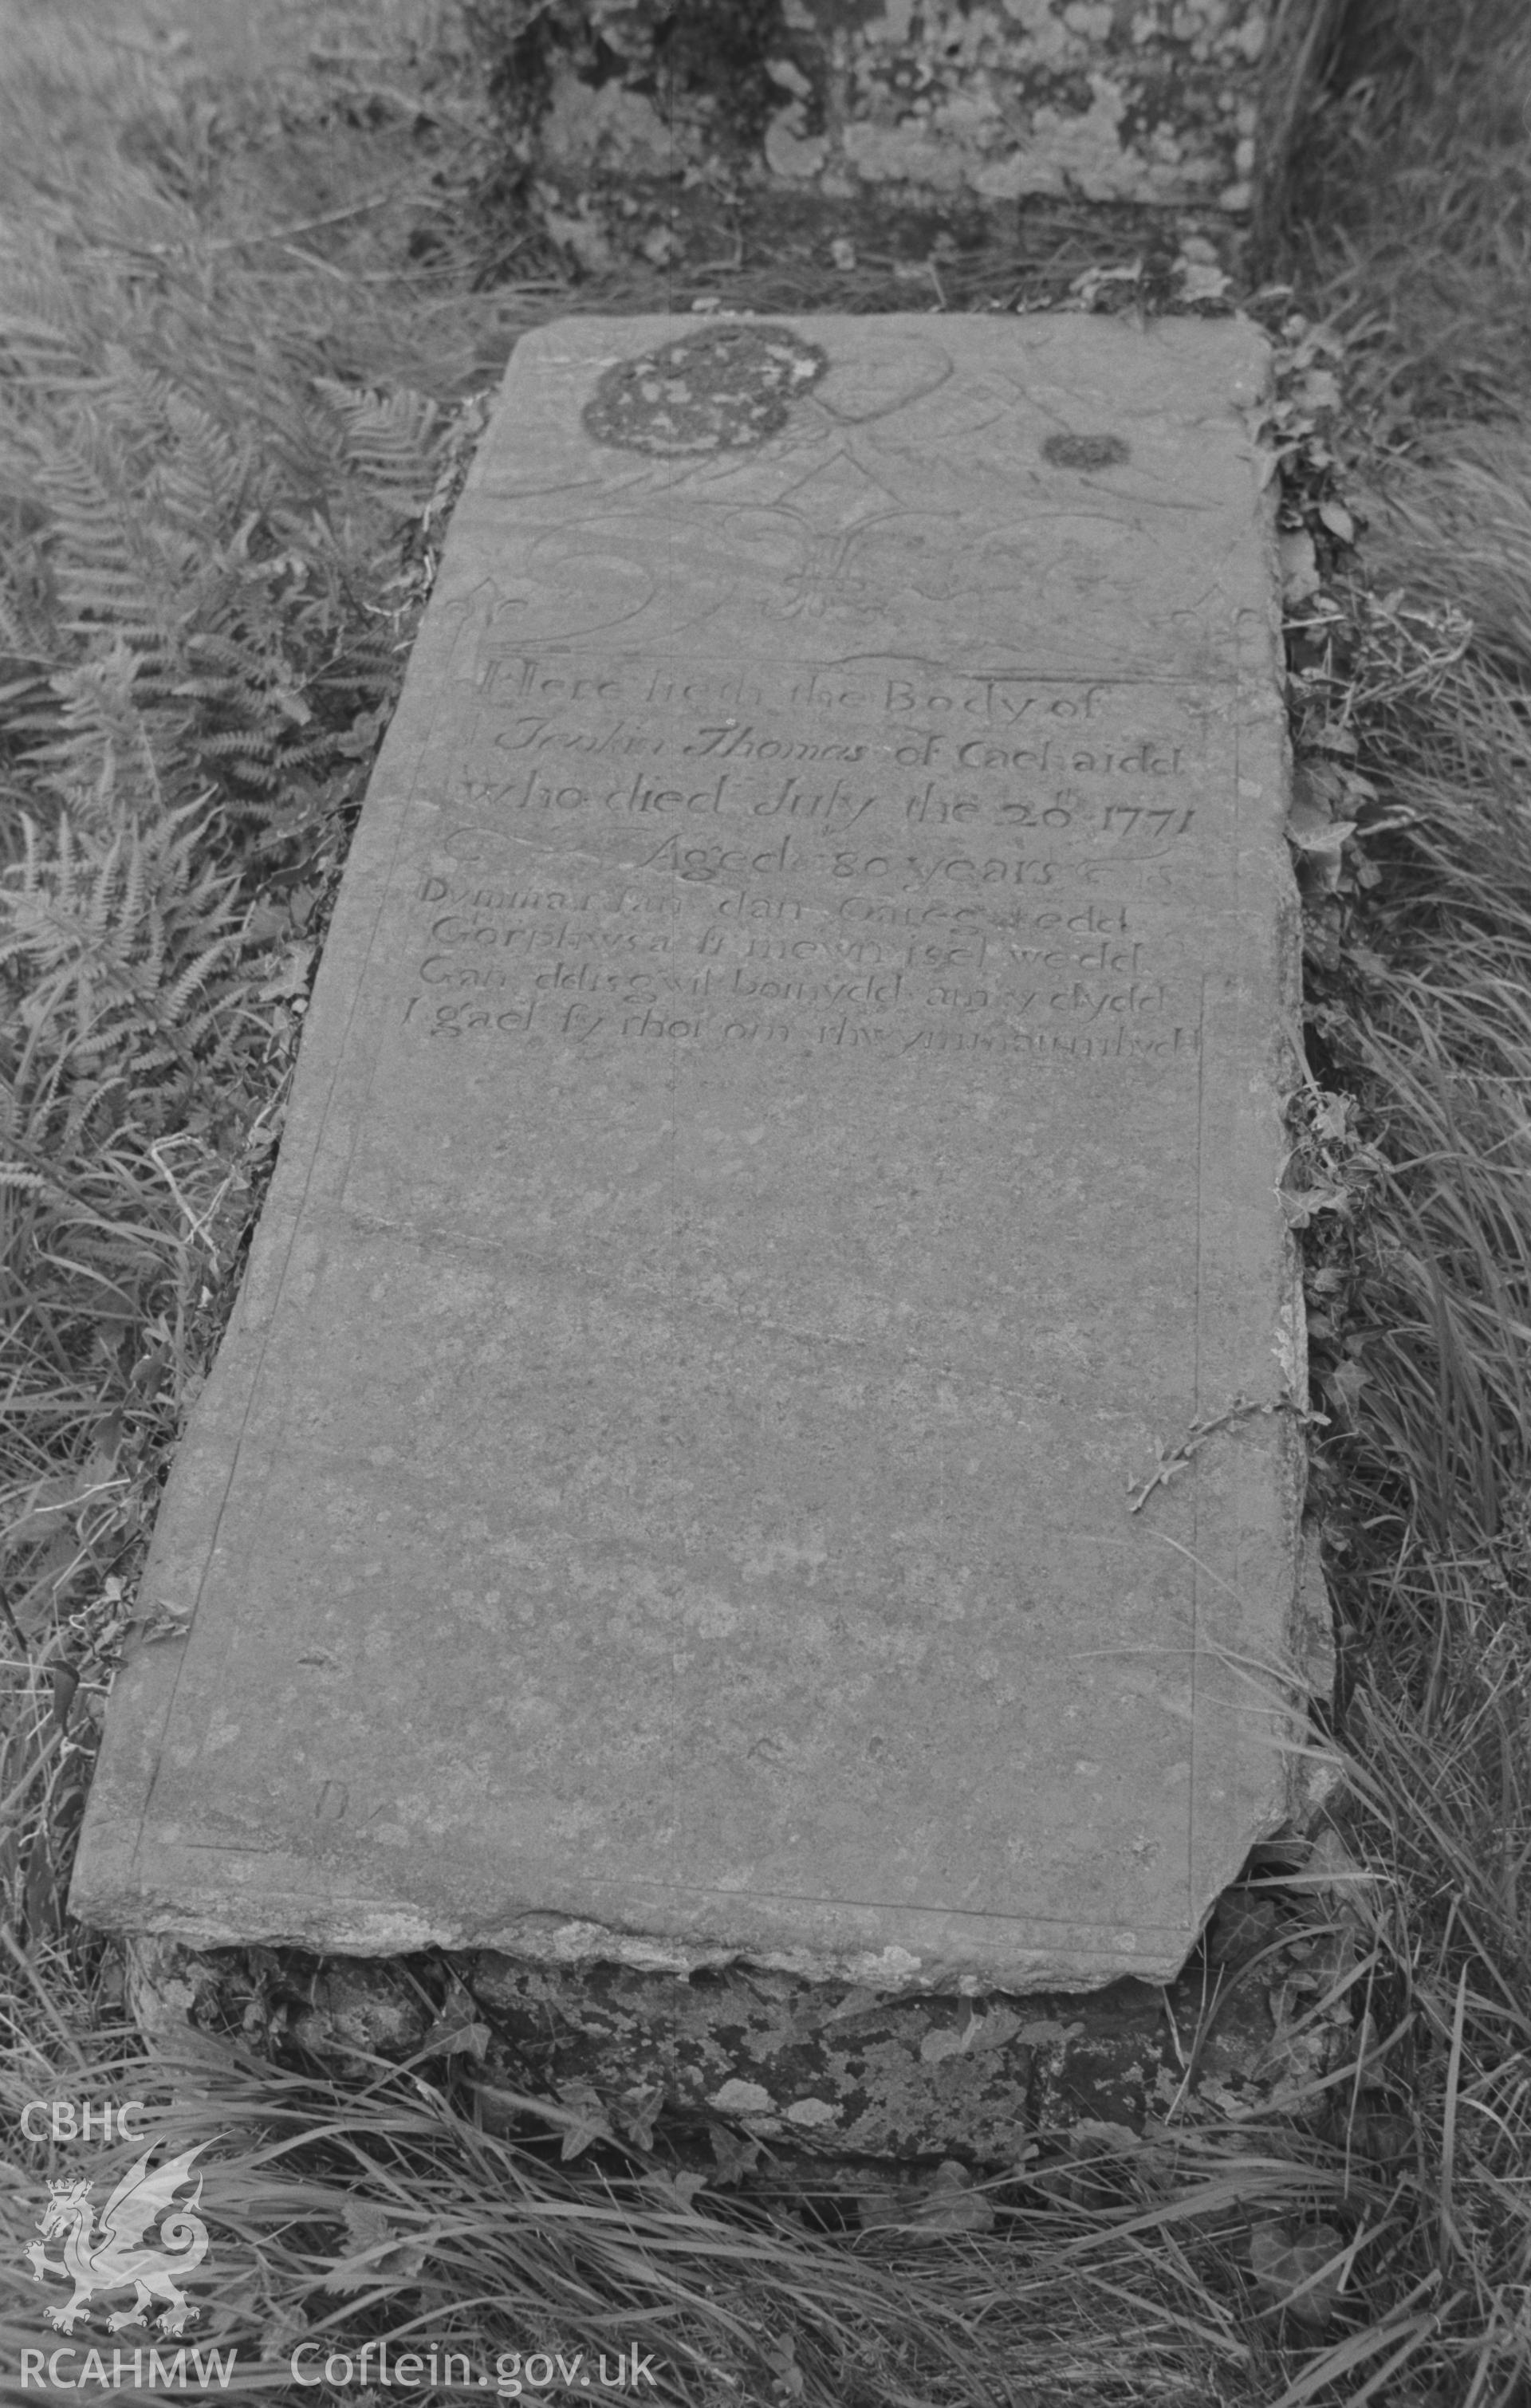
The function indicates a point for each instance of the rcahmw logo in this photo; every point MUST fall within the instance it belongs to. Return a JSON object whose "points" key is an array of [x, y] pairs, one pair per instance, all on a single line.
{"points": [[140, 2241], [123, 2369]]}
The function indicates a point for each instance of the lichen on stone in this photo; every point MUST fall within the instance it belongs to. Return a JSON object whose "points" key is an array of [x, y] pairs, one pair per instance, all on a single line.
{"points": [[1037, 96], [985, 101], [724, 389]]}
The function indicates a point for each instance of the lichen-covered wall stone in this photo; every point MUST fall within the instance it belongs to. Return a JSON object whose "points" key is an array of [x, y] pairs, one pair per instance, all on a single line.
{"points": [[963, 101], [1152, 100], [864, 2075]]}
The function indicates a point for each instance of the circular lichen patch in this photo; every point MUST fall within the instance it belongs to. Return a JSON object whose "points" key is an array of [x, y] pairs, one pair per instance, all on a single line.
{"points": [[722, 388], [1086, 450]]}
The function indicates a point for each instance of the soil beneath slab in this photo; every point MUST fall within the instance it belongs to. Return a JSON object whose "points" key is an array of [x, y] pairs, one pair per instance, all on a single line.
{"points": [[782, 250]]}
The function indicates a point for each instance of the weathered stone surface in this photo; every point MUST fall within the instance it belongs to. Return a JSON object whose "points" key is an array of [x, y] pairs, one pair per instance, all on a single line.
{"points": [[785, 2060], [788, 1130], [844, 2071], [1007, 98], [950, 101]]}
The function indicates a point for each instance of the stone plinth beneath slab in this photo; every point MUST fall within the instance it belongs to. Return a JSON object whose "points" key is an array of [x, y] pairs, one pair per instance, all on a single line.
{"points": [[787, 1134]]}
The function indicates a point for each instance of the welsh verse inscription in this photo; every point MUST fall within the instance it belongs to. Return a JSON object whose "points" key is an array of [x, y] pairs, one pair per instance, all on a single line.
{"points": [[878, 859]]}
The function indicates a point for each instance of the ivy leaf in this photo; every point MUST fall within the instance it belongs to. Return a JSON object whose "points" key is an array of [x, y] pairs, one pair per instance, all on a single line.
{"points": [[379, 2255], [1299, 1207], [1344, 1386], [291, 975], [736, 2155], [457, 2035], [781, 2359], [1332, 1117], [952, 2206], [1299, 2268], [638, 2112], [1311, 830], [587, 2122], [1200, 280], [1299, 564], [947, 2204]]}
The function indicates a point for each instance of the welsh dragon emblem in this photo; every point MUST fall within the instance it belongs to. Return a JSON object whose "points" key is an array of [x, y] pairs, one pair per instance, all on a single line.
{"points": [[116, 2258]]}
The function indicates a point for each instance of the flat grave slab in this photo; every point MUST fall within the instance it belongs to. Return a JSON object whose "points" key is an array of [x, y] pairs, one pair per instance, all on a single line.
{"points": [[786, 1139]]}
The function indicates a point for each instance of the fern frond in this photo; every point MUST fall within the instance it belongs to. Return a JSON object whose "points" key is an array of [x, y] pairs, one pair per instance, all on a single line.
{"points": [[196, 975], [234, 746], [391, 440]]}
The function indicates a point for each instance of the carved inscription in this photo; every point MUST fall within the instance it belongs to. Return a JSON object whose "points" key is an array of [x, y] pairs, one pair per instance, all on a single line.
{"points": [[885, 859]]}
